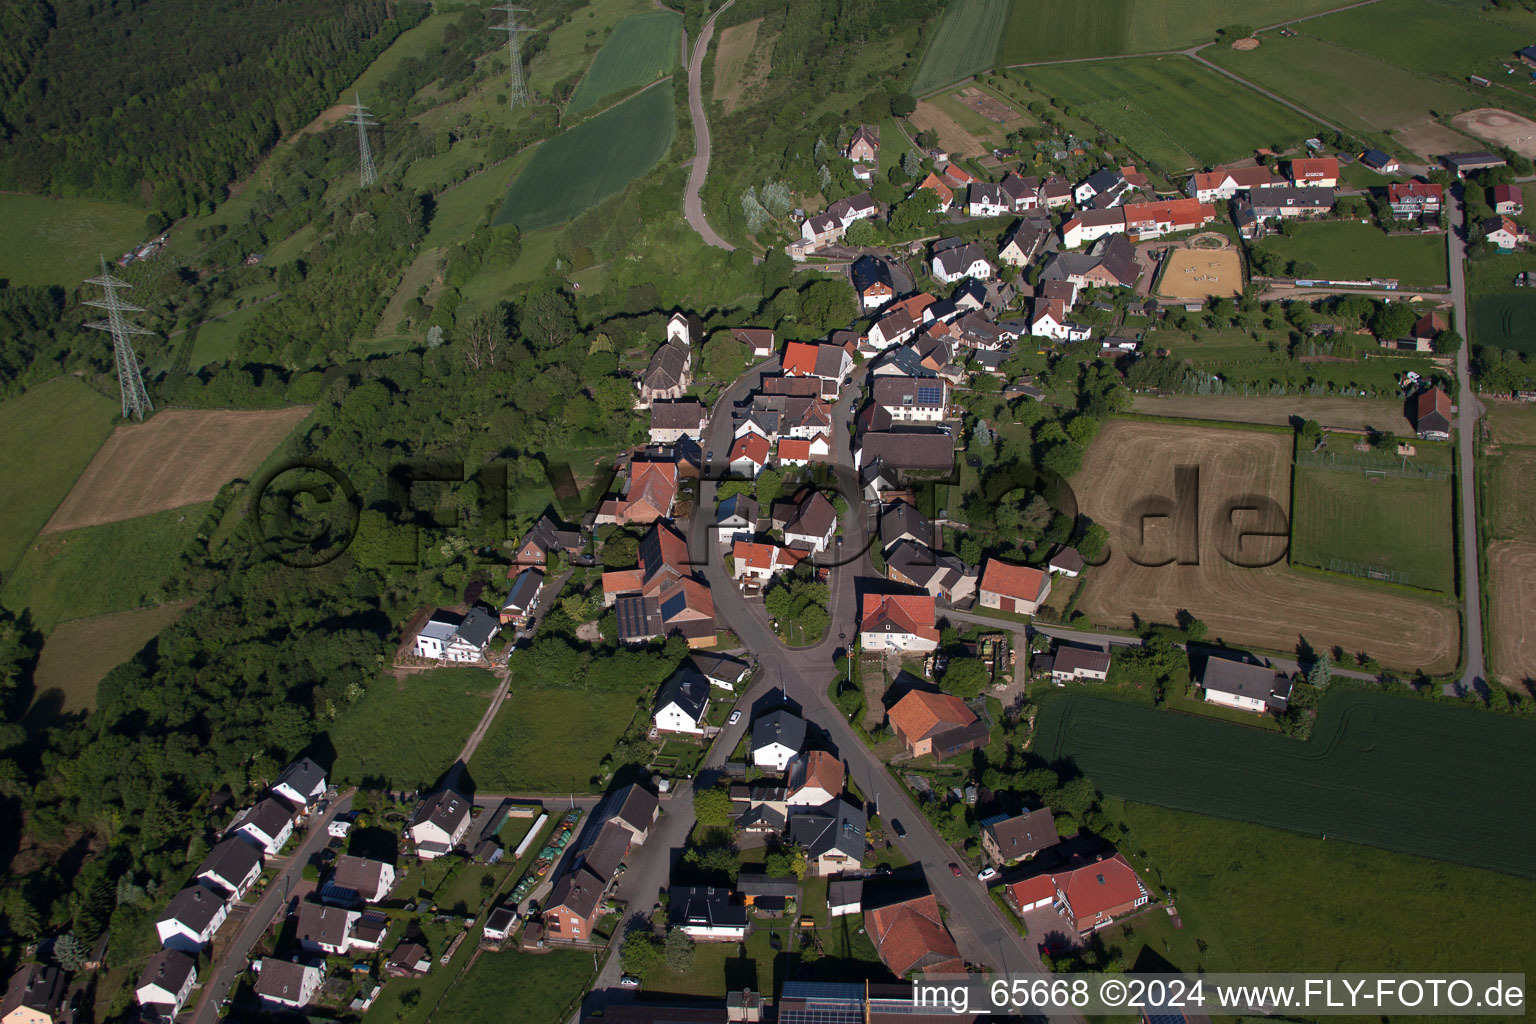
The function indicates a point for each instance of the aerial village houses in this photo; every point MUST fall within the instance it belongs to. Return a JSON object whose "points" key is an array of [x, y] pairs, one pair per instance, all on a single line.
{"points": [[35, 995], [1007, 840], [1315, 172], [671, 422], [165, 983], [1412, 199], [1507, 200], [1245, 686], [302, 784], [231, 868], [190, 920], [544, 537], [776, 738], [961, 262], [357, 880], [1432, 415], [1505, 233], [439, 823], [521, 598], [910, 935], [832, 835], [912, 399], [1013, 588], [872, 280], [682, 701], [671, 367], [649, 494], [461, 639], [1090, 896], [706, 913], [864, 145], [939, 724], [284, 985], [898, 622], [663, 596], [268, 824], [1225, 183]]}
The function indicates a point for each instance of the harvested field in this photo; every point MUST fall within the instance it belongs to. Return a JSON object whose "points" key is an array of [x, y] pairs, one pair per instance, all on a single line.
{"points": [[1501, 128], [953, 138], [80, 652], [739, 66], [177, 458], [1510, 422], [1200, 273], [988, 106], [1512, 572], [1344, 413], [1272, 607], [1372, 765]]}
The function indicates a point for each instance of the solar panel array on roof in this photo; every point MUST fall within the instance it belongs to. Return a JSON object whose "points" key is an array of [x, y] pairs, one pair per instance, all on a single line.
{"points": [[674, 605], [928, 394]]}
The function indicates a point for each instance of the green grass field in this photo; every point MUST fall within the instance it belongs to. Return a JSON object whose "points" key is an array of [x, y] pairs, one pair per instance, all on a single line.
{"points": [[52, 430], [1379, 770], [78, 653], [550, 739], [1398, 524], [1171, 109], [964, 43], [407, 733], [1346, 86], [1505, 320], [421, 41], [216, 338], [642, 49], [44, 240], [1330, 905], [1351, 251], [98, 569], [541, 988], [1246, 363], [579, 168], [1454, 39]]}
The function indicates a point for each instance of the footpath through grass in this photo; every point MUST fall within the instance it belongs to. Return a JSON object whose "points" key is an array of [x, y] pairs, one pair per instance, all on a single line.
{"points": [[579, 168], [1385, 771], [51, 433], [643, 48], [550, 738], [405, 733]]}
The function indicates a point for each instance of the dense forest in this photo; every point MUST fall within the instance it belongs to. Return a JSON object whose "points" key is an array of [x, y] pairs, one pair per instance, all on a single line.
{"points": [[164, 104]]}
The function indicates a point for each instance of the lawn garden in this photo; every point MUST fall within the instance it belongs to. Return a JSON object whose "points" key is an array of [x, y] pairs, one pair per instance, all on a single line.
{"points": [[550, 738], [643, 48], [963, 44], [578, 168], [1350, 251], [1373, 769], [1383, 521], [406, 732], [1171, 110], [544, 989]]}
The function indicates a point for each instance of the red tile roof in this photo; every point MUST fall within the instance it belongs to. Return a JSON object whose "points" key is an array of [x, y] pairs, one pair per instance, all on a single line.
{"points": [[800, 358], [1032, 890], [1314, 168], [1100, 887], [912, 612], [1397, 191], [1017, 581], [911, 936], [922, 713], [750, 446]]}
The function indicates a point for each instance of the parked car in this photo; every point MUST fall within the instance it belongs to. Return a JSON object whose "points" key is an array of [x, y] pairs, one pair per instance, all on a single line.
{"points": [[986, 874], [954, 869], [629, 981], [901, 833], [735, 717]]}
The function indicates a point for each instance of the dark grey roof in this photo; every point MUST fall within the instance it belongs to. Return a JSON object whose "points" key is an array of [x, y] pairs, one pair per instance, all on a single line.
{"points": [[608, 850], [280, 979], [909, 392], [37, 987], [546, 535], [704, 906], [688, 689], [815, 516], [1104, 179], [720, 666], [1070, 658], [779, 727], [829, 361], [835, 825], [1024, 834], [948, 242], [914, 450], [904, 520], [868, 272], [230, 861], [1244, 679], [842, 892], [958, 261], [761, 817], [194, 907], [524, 590], [478, 627], [683, 413], [987, 192], [758, 884], [270, 816], [579, 891], [667, 367], [905, 359], [920, 565], [168, 968], [321, 925], [1068, 558], [358, 874], [895, 323], [304, 776], [742, 505], [636, 806], [1268, 202], [639, 617], [445, 809]]}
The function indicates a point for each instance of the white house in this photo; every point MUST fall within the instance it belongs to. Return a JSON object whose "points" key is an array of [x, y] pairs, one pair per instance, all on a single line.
{"points": [[1051, 321], [736, 518], [988, 200], [1088, 225], [813, 524], [761, 562], [326, 930], [706, 914], [961, 262], [462, 639], [815, 777], [912, 399], [284, 985], [682, 702], [898, 622], [231, 868], [500, 923], [1247, 687], [191, 919], [302, 784], [1066, 562], [1013, 588], [166, 982], [439, 823], [845, 896], [1075, 664], [777, 737], [268, 825], [358, 880], [892, 329], [802, 452]]}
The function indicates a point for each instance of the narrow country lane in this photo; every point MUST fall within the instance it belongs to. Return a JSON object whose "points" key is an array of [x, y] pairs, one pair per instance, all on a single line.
{"points": [[1468, 409], [693, 206]]}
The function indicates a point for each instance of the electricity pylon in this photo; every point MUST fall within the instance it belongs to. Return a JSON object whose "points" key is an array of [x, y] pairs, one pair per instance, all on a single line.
{"points": [[130, 381], [364, 120], [514, 54]]}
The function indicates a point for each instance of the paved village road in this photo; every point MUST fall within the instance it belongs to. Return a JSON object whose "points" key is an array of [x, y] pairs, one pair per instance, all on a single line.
{"points": [[1468, 409], [219, 980], [693, 206]]}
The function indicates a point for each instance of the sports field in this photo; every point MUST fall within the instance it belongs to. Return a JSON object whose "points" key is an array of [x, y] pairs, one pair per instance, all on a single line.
{"points": [[52, 431], [1343, 84], [1397, 525], [642, 49], [78, 653], [174, 458], [1171, 109], [406, 733], [1350, 251], [111, 568], [1293, 887], [1379, 770], [44, 240], [581, 167], [1201, 273], [964, 43], [1505, 320], [1271, 607]]}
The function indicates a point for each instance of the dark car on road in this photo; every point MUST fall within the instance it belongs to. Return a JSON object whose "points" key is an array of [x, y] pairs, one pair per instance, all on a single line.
{"points": [[901, 833]]}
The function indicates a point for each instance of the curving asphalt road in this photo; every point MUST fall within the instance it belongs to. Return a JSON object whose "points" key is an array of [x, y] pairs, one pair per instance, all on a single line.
{"points": [[693, 206]]}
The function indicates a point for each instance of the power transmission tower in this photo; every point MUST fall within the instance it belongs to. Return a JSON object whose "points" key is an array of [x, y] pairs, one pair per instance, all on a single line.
{"points": [[514, 53], [364, 120], [130, 380]]}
